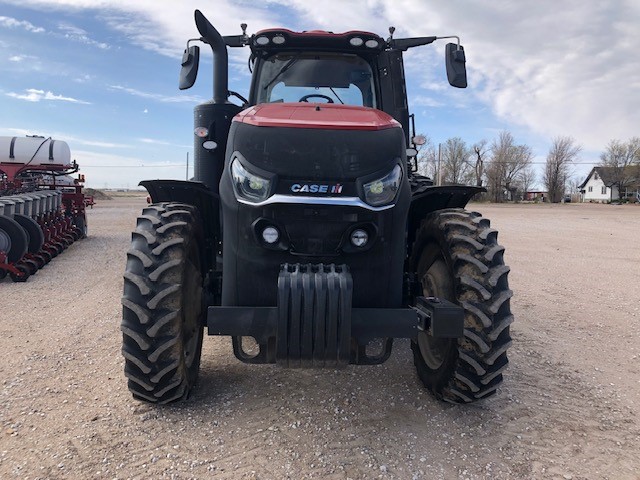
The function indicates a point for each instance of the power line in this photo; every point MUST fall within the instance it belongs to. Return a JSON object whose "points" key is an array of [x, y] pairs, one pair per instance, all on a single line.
{"points": [[134, 166]]}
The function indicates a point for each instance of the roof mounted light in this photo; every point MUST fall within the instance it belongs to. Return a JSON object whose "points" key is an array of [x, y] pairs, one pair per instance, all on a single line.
{"points": [[372, 43], [356, 41], [262, 40], [279, 39]]}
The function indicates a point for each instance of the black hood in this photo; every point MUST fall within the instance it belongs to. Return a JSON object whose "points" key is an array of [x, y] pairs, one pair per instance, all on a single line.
{"points": [[313, 141], [317, 153]]}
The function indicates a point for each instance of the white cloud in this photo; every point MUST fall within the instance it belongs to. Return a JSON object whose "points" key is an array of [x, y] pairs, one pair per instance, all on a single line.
{"points": [[83, 78], [10, 22], [76, 34], [93, 143], [553, 68], [158, 97], [164, 30], [564, 68], [547, 68], [70, 139], [34, 95], [154, 141], [426, 101], [29, 61]]}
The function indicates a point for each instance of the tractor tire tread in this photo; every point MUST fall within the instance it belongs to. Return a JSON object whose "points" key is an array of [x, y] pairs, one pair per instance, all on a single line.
{"points": [[481, 288], [153, 306]]}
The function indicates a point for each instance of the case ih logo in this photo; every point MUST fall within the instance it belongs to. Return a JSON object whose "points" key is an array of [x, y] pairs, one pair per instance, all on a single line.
{"points": [[315, 188]]}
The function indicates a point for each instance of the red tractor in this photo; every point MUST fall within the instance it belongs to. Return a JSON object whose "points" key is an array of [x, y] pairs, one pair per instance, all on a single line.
{"points": [[307, 235]]}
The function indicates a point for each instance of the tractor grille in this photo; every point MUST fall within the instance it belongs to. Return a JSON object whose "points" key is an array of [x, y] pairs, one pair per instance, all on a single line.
{"points": [[319, 231]]}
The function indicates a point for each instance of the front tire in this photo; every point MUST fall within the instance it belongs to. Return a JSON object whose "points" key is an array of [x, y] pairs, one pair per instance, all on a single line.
{"points": [[456, 256], [163, 304]]}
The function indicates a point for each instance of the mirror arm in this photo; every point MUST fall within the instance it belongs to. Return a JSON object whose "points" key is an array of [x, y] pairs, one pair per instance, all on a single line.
{"points": [[451, 36], [200, 39]]}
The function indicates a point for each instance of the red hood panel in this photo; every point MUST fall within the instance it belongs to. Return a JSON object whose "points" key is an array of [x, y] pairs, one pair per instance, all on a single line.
{"points": [[314, 115]]}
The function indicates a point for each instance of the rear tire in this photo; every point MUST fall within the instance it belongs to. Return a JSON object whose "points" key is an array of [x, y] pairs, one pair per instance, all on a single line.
{"points": [[456, 256], [163, 304]]}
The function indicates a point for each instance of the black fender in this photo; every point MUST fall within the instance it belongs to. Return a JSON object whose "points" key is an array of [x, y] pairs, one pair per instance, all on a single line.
{"points": [[201, 197], [427, 199]]}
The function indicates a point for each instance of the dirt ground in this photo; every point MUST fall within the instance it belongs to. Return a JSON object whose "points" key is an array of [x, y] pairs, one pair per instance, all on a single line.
{"points": [[568, 408]]}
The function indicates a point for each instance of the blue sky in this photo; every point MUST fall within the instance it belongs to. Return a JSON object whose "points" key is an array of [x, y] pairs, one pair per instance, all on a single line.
{"points": [[102, 74]]}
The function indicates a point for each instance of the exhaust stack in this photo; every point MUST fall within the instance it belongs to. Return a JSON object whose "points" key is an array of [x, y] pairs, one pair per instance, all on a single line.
{"points": [[220, 59]]}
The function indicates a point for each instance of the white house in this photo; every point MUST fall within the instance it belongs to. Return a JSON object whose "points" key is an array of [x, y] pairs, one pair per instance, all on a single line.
{"points": [[599, 186]]}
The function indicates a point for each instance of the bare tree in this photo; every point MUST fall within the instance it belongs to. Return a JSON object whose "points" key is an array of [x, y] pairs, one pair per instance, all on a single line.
{"points": [[620, 157], [527, 180], [427, 159], [521, 157], [493, 174], [574, 187], [557, 170], [480, 149], [455, 166], [508, 160], [500, 149]]}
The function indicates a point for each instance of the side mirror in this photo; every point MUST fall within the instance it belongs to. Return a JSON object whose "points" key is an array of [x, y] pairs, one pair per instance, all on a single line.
{"points": [[456, 69], [189, 70]]}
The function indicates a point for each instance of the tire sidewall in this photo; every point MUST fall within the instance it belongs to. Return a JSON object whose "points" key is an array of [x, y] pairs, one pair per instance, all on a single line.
{"points": [[17, 236], [431, 234]]}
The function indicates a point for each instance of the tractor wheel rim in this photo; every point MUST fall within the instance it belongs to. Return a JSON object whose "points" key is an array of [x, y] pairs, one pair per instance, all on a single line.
{"points": [[192, 312], [434, 351]]}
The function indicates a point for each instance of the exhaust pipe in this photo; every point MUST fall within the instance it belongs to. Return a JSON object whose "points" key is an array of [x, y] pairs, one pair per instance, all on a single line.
{"points": [[220, 59]]}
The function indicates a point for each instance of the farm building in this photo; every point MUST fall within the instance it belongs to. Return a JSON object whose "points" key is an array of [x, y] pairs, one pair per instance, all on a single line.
{"points": [[538, 195], [599, 185]]}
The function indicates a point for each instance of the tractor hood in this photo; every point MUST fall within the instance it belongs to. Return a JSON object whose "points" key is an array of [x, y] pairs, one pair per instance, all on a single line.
{"points": [[314, 115], [317, 141]]}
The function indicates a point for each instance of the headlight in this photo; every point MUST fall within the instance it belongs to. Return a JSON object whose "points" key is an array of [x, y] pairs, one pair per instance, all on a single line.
{"points": [[247, 185], [383, 190]]}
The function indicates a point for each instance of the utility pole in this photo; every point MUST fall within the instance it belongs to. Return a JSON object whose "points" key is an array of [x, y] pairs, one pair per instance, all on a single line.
{"points": [[187, 175], [439, 179]]}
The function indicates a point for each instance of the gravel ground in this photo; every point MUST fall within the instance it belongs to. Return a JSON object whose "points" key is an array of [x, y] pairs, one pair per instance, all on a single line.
{"points": [[568, 408]]}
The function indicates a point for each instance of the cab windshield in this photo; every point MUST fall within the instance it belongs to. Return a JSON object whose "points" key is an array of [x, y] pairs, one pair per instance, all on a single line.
{"points": [[316, 77]]}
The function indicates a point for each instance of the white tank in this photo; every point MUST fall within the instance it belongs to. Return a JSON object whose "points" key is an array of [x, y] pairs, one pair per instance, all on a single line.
{"points": [[22, 149]]}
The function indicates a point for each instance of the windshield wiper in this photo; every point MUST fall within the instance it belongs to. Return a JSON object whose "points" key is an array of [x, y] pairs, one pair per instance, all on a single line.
{"points": [[334, 92], [284, 68]]}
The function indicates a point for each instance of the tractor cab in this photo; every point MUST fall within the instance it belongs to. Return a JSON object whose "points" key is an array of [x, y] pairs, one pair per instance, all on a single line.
{"points": [[316, 66], [351, 68]]}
